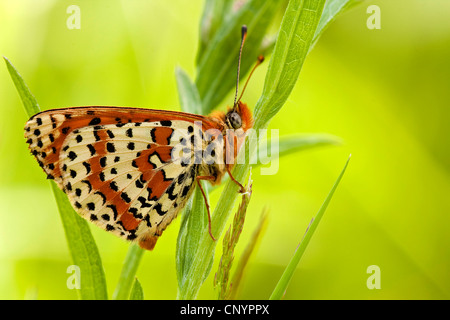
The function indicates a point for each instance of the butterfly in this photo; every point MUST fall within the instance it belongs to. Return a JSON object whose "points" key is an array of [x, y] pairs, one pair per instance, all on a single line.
{"points": [[131, 171]]}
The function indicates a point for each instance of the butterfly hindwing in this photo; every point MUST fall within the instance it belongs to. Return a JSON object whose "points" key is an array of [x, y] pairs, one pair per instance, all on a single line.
{"points": [[119, 175]]}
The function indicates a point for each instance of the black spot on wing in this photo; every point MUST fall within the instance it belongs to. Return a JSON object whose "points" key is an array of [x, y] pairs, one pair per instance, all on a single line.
{"points": [[91, 149], [125, 197], [110, 147], [95, 121], [185, 191], [166, 123], [129, 133], [103, 162], [170, 190], [114, 210], [159, 210], [102, 196], [88, 184], [72, 155], [113, 186], [87, 166], [110, 134], [153, 135]]}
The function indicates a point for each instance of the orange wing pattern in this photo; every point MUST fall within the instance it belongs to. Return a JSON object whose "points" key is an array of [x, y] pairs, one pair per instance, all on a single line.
{"points": [[115, 165]]}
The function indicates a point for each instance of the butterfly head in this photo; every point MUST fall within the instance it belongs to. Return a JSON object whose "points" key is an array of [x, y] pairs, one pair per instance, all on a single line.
{"points": [[239, 117]]}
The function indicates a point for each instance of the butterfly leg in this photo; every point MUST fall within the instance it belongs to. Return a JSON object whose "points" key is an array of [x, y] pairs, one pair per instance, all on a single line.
{"points": [[206, 201], [242, 189]]}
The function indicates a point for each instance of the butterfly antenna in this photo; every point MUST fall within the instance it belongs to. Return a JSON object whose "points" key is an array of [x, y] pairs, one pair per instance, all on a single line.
{"points": [[243, 36], [260, 60]]}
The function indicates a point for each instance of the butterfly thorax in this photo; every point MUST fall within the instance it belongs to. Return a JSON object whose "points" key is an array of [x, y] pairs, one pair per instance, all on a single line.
{"points": [[221, 148]]}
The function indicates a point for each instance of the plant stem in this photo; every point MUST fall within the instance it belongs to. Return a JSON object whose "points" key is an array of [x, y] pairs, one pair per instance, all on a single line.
{"points": [[130, 266]]}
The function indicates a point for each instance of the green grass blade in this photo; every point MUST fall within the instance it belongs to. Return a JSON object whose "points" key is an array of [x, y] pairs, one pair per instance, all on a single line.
{"points": [[194, 221], [82, 248], [214, 14], [81, 244], [216, 72], [285, 81], [290, 144], [294, 143], [294, 39], [194, 225], [298, 142], [283, 283], [136, 292], [28, 100], [245, 257], [230, 240], [187, 93], [332, 9], [128, 273]]}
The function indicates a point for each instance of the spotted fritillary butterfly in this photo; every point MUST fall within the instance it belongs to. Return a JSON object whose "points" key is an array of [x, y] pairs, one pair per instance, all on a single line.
{"points": [[116, 164]]}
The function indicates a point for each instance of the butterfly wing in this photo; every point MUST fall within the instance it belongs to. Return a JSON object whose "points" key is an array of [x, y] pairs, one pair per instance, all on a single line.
{"points": [[116, 165]]}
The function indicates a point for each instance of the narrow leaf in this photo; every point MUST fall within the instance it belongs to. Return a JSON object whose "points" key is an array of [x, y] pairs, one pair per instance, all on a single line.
{"points": [[82, 248], [81, 244], [28, 100], [283, 283], [194, 225], [187, 93], [216, 72], [194, 221], [290, 144], [294, 143], [296, 29], [136, 292], [332, 9], [294, 39], [215, 13], [245, 257], [230, 240]]}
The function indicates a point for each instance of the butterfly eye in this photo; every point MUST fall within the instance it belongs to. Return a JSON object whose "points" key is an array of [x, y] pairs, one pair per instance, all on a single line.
{"points": [[235, 120]]}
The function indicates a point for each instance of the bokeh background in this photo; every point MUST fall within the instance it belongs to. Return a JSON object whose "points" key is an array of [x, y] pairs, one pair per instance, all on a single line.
{"points": [[384, 92]]}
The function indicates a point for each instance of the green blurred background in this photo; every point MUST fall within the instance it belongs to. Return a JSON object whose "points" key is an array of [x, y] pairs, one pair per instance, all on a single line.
{"points": [[384, 92]]}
